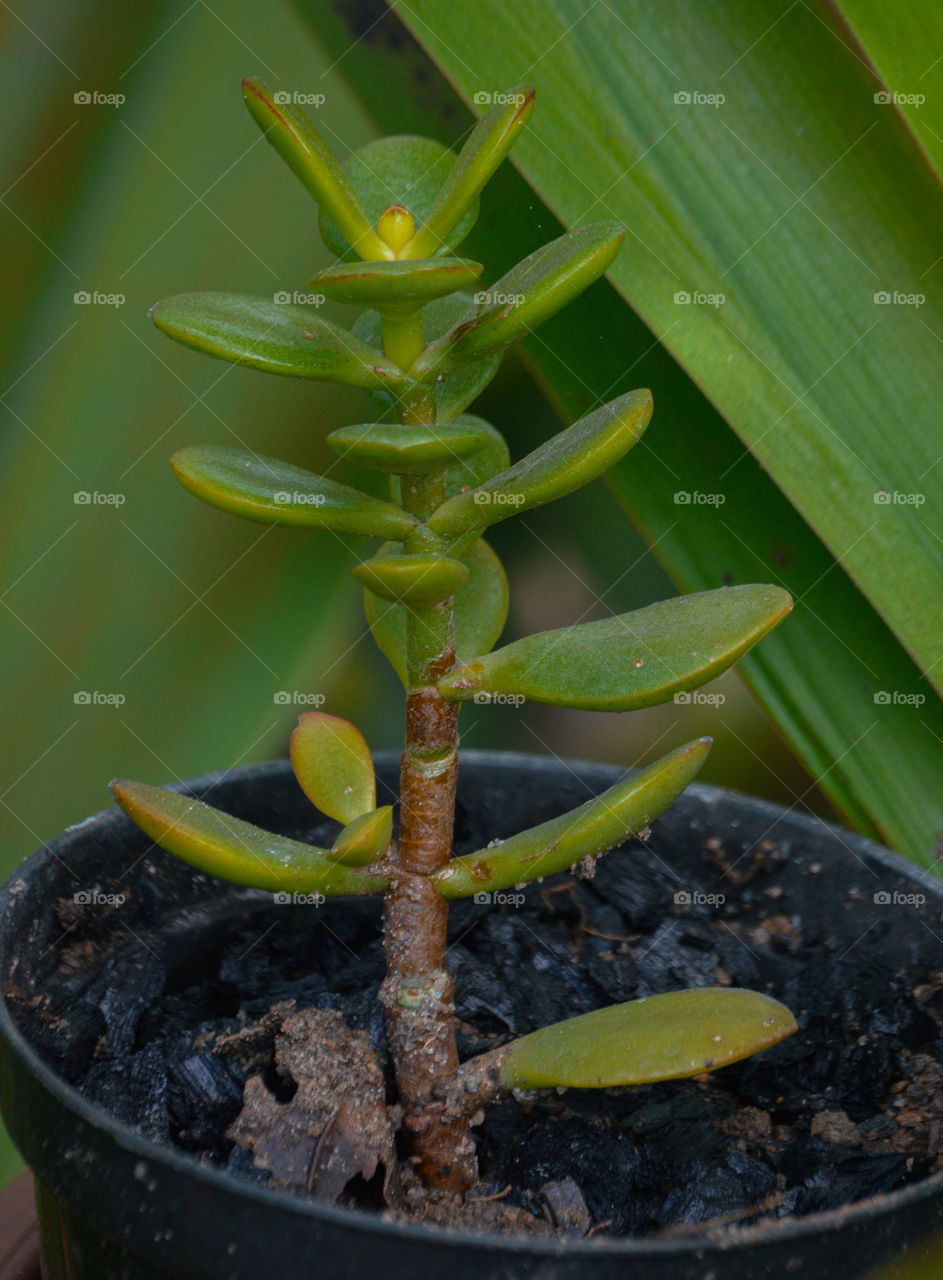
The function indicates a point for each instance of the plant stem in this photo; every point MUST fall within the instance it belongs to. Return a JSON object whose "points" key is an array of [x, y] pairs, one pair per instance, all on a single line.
{"points": [[417, 992]]}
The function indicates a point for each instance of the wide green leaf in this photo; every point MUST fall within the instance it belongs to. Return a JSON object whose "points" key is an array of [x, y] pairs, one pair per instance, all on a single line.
{"points": [[395, 286], [403, 170], [594, 828], [363, 840], [309, 157], [480, 609], [568, 461], [455, 391], [419, 578], [633, 660], [818, 677], [787, 271], [237, 851], [663, 1037], [275, 492], [274, 336], [530, 293], [489, 142], [411, 450], [333, 765]]}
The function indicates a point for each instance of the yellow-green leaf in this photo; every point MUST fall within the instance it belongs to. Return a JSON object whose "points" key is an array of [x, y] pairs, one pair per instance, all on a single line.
{"points": [[333, 765]]}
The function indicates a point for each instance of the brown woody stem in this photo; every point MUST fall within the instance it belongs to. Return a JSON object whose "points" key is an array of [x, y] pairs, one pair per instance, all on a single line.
{"points": [[417, 991]]}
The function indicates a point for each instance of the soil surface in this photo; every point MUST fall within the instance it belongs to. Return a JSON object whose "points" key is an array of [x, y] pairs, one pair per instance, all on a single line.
{"points": [[850, 1107]]}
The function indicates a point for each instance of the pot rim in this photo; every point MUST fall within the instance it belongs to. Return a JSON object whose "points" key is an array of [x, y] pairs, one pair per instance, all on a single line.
{"points": [[184, 1164]]}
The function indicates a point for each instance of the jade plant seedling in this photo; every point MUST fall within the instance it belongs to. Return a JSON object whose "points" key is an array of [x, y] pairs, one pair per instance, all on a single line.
{"points": [[427, 343]]}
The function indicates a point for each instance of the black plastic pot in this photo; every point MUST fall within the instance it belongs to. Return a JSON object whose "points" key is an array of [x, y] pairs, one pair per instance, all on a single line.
{"points": [[113, 1204]]}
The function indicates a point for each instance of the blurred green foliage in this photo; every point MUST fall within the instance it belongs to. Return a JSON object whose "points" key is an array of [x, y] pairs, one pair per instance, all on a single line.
{"points": [[142, 632]]}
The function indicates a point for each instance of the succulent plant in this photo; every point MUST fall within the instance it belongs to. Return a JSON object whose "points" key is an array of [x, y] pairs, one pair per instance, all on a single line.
{"points": [[436, 601]]}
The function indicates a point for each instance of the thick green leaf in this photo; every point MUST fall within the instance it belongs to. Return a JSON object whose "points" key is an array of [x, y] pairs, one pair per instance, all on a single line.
{"points": [[392, 287], [363, 840], [818, 677], [411, 450], [480, 609], [309, 157], [786, 271], [414, 579], [490, 141], [530, 293], [333, 765], [455, 391], [265, 489], [492, 458], [633, 660], [568, 461], [275, 337], [594, 828], [403, 170], [237, 851], [664, 1037]]}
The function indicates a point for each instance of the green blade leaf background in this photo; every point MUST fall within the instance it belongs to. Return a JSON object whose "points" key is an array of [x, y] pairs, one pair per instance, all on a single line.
{"points": [[817, 676]]}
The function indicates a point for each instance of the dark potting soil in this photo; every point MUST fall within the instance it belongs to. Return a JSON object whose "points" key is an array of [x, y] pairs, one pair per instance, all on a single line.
{"points": [[849, 1107]]}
